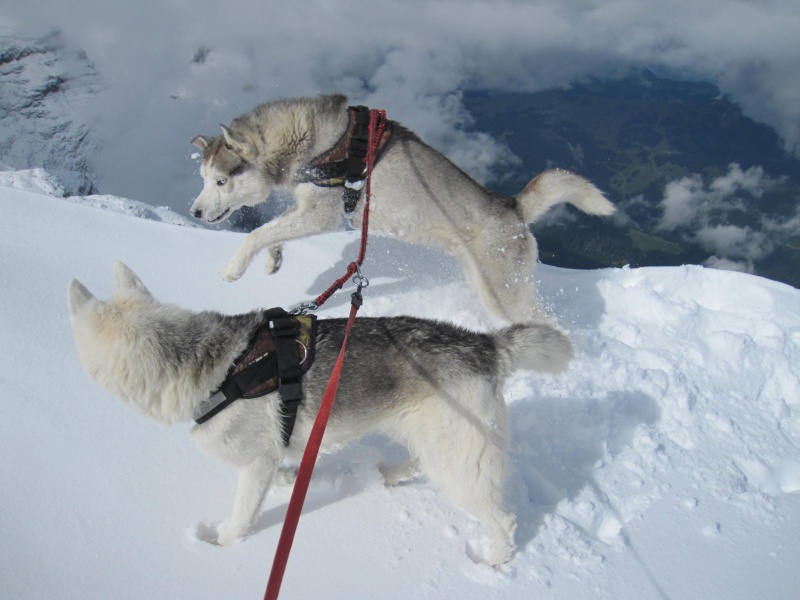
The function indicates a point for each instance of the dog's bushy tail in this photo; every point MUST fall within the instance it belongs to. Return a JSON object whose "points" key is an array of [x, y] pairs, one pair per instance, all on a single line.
{"points": [[556, 186], [533, 347]]}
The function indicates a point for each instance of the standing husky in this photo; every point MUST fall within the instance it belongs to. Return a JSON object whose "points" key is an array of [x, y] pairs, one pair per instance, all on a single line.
{"points": [[420, 196], [431, 386]]}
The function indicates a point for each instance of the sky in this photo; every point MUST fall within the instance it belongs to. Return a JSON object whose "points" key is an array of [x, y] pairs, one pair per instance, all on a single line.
{"points": [[173, 69]]}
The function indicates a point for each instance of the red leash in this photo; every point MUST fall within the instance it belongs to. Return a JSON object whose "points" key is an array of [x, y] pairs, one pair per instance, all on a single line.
{"points": [[304, 473], [376, 125]]}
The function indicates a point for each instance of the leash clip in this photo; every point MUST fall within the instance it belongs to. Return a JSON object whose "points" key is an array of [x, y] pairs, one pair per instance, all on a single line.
{"points": [[359, 278], [303, 308], [356, 299]]}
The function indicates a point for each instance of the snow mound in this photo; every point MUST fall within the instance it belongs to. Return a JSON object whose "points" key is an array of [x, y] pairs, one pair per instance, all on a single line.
{"points": [[664, 464]]}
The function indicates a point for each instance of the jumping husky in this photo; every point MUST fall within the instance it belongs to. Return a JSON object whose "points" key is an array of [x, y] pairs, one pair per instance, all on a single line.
{"points": [[420, 196], [431, 386]]}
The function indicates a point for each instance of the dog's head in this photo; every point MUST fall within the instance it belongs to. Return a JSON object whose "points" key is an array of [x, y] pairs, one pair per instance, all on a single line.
{"points": [[264, 150], [131, 346], [231, 176]]}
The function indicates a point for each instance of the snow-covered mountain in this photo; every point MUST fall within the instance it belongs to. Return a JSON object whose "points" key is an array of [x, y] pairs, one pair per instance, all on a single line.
{"points": [[664, 464], [44, 88]]}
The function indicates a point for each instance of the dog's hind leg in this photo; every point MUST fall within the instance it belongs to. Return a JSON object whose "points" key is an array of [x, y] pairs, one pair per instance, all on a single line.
{"points": [[254, 481], [502, 273], [462, 449]]}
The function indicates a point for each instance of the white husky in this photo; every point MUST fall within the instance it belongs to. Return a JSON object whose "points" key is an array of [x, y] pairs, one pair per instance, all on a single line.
{"points": [[429, 385], [419, 196]]}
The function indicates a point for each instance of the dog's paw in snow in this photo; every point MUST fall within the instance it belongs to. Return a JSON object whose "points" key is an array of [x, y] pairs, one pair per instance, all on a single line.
{"points": [[228, 535], [286, 476], [397, 474], [206, 532]]}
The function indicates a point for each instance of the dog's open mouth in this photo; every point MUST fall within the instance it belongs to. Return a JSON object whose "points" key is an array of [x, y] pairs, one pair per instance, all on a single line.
{"points": [[220, 217]]}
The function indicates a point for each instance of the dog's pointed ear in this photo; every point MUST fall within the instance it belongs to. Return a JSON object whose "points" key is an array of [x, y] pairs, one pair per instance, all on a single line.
{"points": [[78, 297], [201, 141], [237, 142], [126, 280]]}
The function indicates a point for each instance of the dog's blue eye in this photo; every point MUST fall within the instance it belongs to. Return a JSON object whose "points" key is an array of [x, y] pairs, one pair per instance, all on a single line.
{"points": [[222, 181]]}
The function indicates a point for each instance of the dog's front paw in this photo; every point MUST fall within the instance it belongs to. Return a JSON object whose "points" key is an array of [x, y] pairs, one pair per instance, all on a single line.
{"points": [[286, 476], [227, 535], [217, 534], [233, 270], [274, 259]]}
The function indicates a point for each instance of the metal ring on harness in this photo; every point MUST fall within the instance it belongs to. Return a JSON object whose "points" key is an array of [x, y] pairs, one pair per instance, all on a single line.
{"points": [[305, 351]]}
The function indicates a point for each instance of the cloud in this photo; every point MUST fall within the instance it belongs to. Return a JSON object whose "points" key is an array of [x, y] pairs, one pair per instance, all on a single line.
{"points": [[687, 202], [683, 202], [732, 242], [706, 215], [412, 57], [725, 264]]}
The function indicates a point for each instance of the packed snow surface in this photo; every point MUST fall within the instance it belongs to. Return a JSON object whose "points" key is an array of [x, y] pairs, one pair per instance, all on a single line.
{"points": [[664, 464]]}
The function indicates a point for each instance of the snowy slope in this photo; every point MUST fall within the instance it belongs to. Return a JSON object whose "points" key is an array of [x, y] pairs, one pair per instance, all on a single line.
{"points": [[664, 464]]}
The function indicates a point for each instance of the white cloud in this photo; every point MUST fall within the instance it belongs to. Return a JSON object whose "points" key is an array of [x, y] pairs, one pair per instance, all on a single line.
{"points": [[703, 214], [734, 242], [687, 202], [683, 201], [410, 57], [725, 264], [751, 181]]}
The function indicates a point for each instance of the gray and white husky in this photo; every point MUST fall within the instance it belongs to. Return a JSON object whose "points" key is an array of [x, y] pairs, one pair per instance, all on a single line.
{"points": [[433, 387], [420, 197]]}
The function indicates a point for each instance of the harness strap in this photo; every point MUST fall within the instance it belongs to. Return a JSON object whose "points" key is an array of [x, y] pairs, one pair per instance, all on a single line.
{"points": [[359, 145], [285, 362], [285, 331], [344, 164]]}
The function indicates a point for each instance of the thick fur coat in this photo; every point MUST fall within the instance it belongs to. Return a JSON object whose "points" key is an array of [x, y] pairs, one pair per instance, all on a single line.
{"points": [[419, 196], [433, 387]]}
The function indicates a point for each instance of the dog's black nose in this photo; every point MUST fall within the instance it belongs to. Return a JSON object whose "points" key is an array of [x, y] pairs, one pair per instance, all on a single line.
{"points": [[197, 213]]}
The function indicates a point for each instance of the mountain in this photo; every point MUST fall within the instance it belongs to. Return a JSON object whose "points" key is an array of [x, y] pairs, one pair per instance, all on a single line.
{"points": [[44, 87], [634, 137], [665, 463]]}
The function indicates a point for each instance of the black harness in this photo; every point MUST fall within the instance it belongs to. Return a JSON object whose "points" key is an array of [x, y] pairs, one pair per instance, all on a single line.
{"points": [[344, 164], [278, 355]]}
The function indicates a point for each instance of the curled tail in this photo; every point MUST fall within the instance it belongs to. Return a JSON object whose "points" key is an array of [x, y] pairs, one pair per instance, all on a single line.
{"points": [[533, 347], [556, 186]]}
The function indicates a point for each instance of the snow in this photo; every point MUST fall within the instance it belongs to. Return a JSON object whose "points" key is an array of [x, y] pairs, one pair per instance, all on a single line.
{"points": [[664, 464], [47, 98]]}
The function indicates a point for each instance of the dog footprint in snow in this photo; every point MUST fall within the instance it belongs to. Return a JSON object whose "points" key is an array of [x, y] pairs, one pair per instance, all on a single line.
{"points": [[205, 532]]}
